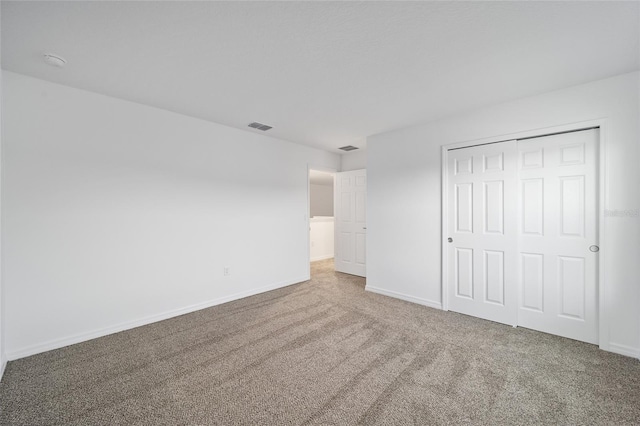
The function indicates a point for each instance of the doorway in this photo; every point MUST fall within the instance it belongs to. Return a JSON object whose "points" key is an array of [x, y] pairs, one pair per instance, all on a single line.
{"points": [[321, 215]]}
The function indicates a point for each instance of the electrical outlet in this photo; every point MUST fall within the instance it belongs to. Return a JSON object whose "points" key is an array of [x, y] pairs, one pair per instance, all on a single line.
{"points": [[227, 271]]}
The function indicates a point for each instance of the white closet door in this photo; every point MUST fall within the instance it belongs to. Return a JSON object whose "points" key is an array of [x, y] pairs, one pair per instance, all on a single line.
{"points": [[482, 214], [351, 222], [557, 226]]}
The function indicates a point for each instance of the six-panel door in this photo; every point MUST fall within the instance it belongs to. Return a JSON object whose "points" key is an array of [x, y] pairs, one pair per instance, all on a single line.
{"points": [[351, 222], [482, 226], [557, 225]]}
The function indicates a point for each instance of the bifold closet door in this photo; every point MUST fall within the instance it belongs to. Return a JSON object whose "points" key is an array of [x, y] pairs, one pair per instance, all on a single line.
{"points": [[557, 243], [482, 231]]}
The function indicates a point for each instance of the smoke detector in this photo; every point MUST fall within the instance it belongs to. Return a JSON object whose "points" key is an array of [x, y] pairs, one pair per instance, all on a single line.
{"points": [[54, 60]]}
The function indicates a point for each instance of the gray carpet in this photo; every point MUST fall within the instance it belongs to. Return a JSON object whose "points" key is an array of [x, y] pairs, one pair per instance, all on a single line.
{"points": [[323, 352]]}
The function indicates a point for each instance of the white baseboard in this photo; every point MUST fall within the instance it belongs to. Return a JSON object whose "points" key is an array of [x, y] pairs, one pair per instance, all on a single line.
{"points": [[624, 350], [82, 337], [402, 296], [323, 257]]}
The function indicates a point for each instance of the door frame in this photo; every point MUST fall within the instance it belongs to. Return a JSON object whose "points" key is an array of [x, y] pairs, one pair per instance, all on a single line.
{"points": [[602, 202], [311, 166]]}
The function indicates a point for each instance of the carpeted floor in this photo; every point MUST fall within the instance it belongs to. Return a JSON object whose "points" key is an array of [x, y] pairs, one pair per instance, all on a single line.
{"points": [[323, 352]]}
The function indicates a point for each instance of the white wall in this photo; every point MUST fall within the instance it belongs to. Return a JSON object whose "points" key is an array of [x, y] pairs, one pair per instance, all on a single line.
{"points": [[3, 360], [354, 160], [117, 214], [404, 190], [321, 200], [321, 237]]}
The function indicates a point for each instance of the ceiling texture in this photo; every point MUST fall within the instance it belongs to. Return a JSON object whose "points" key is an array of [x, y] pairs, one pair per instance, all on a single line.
{"points": [[323, 74]]}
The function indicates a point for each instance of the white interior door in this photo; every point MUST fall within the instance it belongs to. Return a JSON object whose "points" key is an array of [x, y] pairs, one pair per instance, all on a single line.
{"points": [[557, 227], [351, 222], [483, 231]]}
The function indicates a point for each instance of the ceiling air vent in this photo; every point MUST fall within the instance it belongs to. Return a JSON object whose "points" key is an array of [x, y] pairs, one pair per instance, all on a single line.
{"points": [[348, 148], [260, 126]]}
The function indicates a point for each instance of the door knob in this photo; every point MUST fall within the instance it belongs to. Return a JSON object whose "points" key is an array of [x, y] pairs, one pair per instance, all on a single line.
{"points": [[450, 239], [594, 248]]}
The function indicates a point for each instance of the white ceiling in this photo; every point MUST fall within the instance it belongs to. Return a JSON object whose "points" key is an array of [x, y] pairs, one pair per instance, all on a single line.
{"points": [[324, 74], [316, 177]]}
